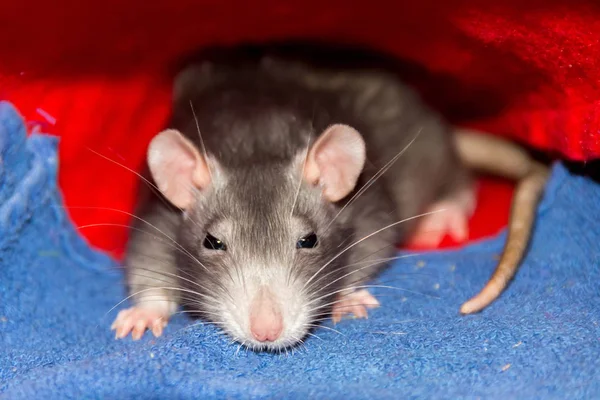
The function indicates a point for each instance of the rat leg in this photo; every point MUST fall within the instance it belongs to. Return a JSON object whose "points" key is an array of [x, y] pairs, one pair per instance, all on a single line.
{"points": [[375, 247], [453, 220], [152, 276], [154, 302]]}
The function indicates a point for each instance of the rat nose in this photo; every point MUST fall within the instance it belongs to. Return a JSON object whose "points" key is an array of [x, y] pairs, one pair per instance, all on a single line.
{"points": [[266, 322], [266, 332]]}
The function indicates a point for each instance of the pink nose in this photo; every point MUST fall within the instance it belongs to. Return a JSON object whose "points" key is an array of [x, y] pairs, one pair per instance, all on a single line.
{"points": [[266, 332], [266, 323]]}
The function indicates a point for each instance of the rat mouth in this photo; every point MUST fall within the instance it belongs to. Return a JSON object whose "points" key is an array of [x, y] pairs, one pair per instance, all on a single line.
{"points": [[282, 344], [279, 346], [292, 336]]}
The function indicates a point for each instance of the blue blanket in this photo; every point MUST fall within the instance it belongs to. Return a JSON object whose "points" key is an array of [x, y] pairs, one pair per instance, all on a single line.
{"points": [[540, 340]]}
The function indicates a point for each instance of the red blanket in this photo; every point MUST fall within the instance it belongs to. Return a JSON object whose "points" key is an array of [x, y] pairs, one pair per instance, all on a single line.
{"points": [[98, 74]]}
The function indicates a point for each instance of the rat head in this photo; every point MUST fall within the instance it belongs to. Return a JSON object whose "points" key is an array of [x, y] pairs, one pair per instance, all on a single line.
{"points": [[261, 246]]}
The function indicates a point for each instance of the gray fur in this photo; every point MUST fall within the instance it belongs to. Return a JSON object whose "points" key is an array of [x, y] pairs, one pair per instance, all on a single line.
{"points": [[256, 118]]}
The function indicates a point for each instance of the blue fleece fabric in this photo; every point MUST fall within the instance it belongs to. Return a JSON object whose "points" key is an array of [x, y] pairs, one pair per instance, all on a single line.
{"points": [[540, 340]]}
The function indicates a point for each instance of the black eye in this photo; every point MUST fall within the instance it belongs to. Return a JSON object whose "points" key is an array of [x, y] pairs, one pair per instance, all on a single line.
{"points": [[307, 242], [212, 243]]}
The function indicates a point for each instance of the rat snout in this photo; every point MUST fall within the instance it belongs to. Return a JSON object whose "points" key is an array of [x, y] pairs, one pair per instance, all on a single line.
{"points": [[267, 312], [266, 321]]}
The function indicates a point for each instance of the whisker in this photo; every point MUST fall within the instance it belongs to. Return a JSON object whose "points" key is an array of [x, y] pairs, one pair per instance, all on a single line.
{"points": [[186, 301], [199, 312], [152, 186], [313, 335], [363, 259], [340, 300], [239, 347], [148, 299], [322, 316], [151, 225], [164, 273], [387, 333], [372, 263], [200, 323], [153, 288], [368, 287], [349, 238], [131, 271], [403, 321], [365, 238], [128, 269], [343, 242], [326, 327]]}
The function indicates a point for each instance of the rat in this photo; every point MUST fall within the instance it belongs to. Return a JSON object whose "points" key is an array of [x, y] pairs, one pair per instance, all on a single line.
{"points": [[283, 185]]}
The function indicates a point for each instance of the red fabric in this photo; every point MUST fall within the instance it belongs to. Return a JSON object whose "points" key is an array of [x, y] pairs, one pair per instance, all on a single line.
{"points": [[98, 75]]}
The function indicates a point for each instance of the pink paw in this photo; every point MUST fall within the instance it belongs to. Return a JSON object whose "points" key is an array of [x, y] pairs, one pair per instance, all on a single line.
{"points": [[355, 303], [452, 221], [136, 320]]}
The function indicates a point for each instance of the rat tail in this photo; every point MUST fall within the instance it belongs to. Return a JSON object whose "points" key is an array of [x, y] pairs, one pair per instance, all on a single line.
{"points": [[493, 155]]}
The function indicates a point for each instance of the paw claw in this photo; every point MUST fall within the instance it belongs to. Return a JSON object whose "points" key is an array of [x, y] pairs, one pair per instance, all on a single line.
{"points": [[355, 303], [136, 320], [157, 327]]}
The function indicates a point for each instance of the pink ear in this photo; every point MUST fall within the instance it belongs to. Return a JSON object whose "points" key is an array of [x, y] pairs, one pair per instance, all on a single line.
{"points": [[177, 167], [335, 161]]}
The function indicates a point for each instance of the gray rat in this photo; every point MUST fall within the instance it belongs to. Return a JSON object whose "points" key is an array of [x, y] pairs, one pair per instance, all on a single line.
{"points": [[284, 183]]}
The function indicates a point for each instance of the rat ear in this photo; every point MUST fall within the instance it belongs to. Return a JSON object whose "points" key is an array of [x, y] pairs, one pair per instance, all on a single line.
{"points": [[335, 161], [177, 167]]}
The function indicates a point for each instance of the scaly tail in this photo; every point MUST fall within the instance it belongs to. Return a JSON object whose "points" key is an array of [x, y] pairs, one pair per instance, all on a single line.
{"points": [[493, 155]]}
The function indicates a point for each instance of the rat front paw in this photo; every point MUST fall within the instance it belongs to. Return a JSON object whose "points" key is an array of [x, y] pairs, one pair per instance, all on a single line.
{"points": [[355, 303], [136, 320]]}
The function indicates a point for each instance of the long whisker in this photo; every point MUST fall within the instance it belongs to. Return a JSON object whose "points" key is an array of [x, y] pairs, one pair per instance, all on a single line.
{"points": [[152, 186], [149, 224], [198, 312], [167, 274], [342, 299], [171, 245], [365, 238], [325, 315], [125, 167], [360, 261], [324, 306], [349, 238], [185, 300], [325, 327], [363, 259], [158, 272], [154, 288], [188, 301], [157, 192], [372, 262], [367, 287], [178, 246], [312, 334]]}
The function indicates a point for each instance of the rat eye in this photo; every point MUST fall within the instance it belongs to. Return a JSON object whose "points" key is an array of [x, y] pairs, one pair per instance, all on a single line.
{"points": [[212, 243], [307, 242]]}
